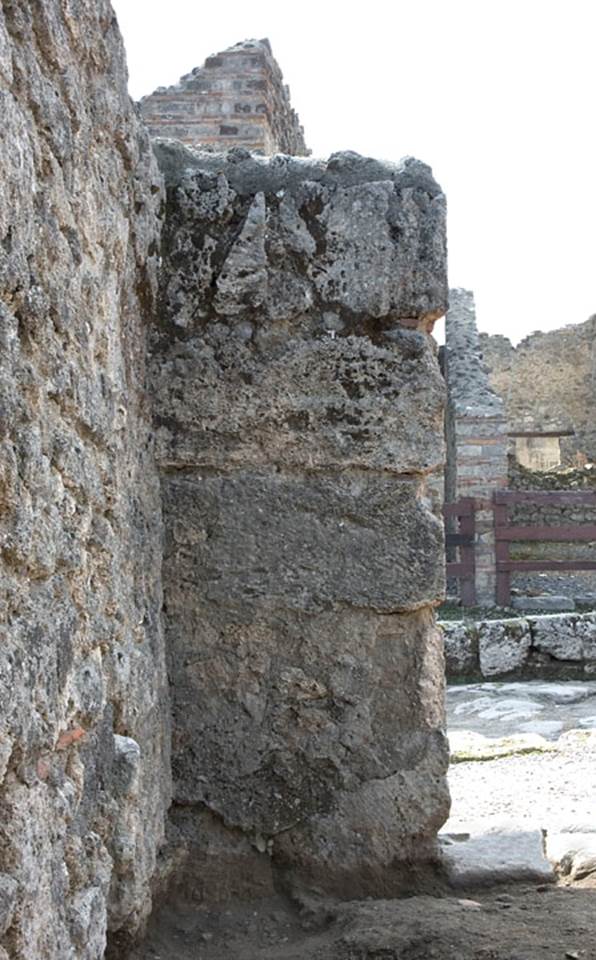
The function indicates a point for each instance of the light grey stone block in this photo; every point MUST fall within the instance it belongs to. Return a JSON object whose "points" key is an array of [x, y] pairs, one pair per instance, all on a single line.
{"points": [[547, 603], [503, 646], [500, 857]]}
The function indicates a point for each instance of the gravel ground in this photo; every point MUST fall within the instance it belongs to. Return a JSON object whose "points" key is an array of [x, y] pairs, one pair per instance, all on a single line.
{"points": [[578, 583], [546, 790]]}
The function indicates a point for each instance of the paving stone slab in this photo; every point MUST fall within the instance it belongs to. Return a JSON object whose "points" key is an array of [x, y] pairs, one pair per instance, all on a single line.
{"points": [[500, 857]]}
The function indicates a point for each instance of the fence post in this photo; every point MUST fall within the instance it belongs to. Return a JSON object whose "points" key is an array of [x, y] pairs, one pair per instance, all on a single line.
{"points": [[501, 515], [467, 553]]}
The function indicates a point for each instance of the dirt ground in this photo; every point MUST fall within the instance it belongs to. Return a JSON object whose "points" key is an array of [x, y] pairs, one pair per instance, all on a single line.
{"points": [[518, 922], [514, 922]]}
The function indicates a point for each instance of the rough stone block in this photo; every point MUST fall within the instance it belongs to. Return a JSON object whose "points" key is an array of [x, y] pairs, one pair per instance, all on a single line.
{"points": [[318, 402], [558, 636], [586, 600], [304, 543], [501, 857], [573, 853], [503, 646], [461, 648], [299, 411]]}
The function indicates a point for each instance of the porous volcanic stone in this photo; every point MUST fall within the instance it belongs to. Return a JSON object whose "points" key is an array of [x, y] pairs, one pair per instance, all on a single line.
{"points": [[82, 654], [298, 410]]}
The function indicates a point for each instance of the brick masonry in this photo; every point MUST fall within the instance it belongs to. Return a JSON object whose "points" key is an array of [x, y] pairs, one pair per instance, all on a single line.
{"points": [[236, 99], [476, 431]]}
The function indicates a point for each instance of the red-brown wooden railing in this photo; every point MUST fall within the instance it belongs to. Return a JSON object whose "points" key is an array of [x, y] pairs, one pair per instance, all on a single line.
{"points": [[506, 533], [464, 569]]}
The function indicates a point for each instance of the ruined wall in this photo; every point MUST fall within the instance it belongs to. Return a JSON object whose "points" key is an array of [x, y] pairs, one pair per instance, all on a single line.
{"points": [[237, 98], [548, 382], [554, 647], [476, 432], [84, 767], [296, 422], [530, 514]]}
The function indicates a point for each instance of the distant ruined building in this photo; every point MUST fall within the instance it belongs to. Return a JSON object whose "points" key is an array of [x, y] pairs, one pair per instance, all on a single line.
{"points": [[236, 99], [548, 386], [509, 408]]}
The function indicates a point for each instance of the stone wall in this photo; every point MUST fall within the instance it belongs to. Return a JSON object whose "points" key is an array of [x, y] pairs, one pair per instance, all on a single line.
{"points": [[476, 431], [237, 98], [297, 420], [84, 729], [548, 382], [531, 514], [569, 584], [559, 646]]}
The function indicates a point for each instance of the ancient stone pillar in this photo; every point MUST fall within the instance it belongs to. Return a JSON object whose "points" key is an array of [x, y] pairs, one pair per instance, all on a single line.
{"points": [[84, 718], [297, 420], [476, 431]]}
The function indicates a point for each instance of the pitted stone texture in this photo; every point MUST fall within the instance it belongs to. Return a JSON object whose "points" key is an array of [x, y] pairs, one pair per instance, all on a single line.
{"points": [[304, 542], [461, 648], [236, 99], [566, 637], [469, 384], [297, 418], [554, 646], [320, 734], [503, 646], [81, 657], [260, 359], [319, 402], [326, 245]]}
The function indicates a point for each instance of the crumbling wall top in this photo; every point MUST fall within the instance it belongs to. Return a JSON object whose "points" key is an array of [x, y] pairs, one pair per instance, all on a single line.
{"points": [[237, 98], [468, 381]]}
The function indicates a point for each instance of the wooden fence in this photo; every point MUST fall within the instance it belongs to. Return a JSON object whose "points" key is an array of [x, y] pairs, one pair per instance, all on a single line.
{"points": [[463, 511], [506, 532]]}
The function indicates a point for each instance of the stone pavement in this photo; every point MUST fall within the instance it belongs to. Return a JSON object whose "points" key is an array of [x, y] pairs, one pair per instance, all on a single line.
{"points": [[523, 782]]}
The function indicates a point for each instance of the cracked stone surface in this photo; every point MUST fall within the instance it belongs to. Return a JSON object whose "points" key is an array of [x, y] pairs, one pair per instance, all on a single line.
{"points": [[298, 412], [84, 761]]}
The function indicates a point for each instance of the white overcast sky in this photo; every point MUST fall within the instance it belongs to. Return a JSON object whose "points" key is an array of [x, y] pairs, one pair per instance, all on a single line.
{"points": [[498, 96]]}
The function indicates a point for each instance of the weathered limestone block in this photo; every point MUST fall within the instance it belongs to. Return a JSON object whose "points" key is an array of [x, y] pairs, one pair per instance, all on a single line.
{"points": [[548, 647], [503, 646], [460, 640], [298, 414], [565, 637], [81, 657]]}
